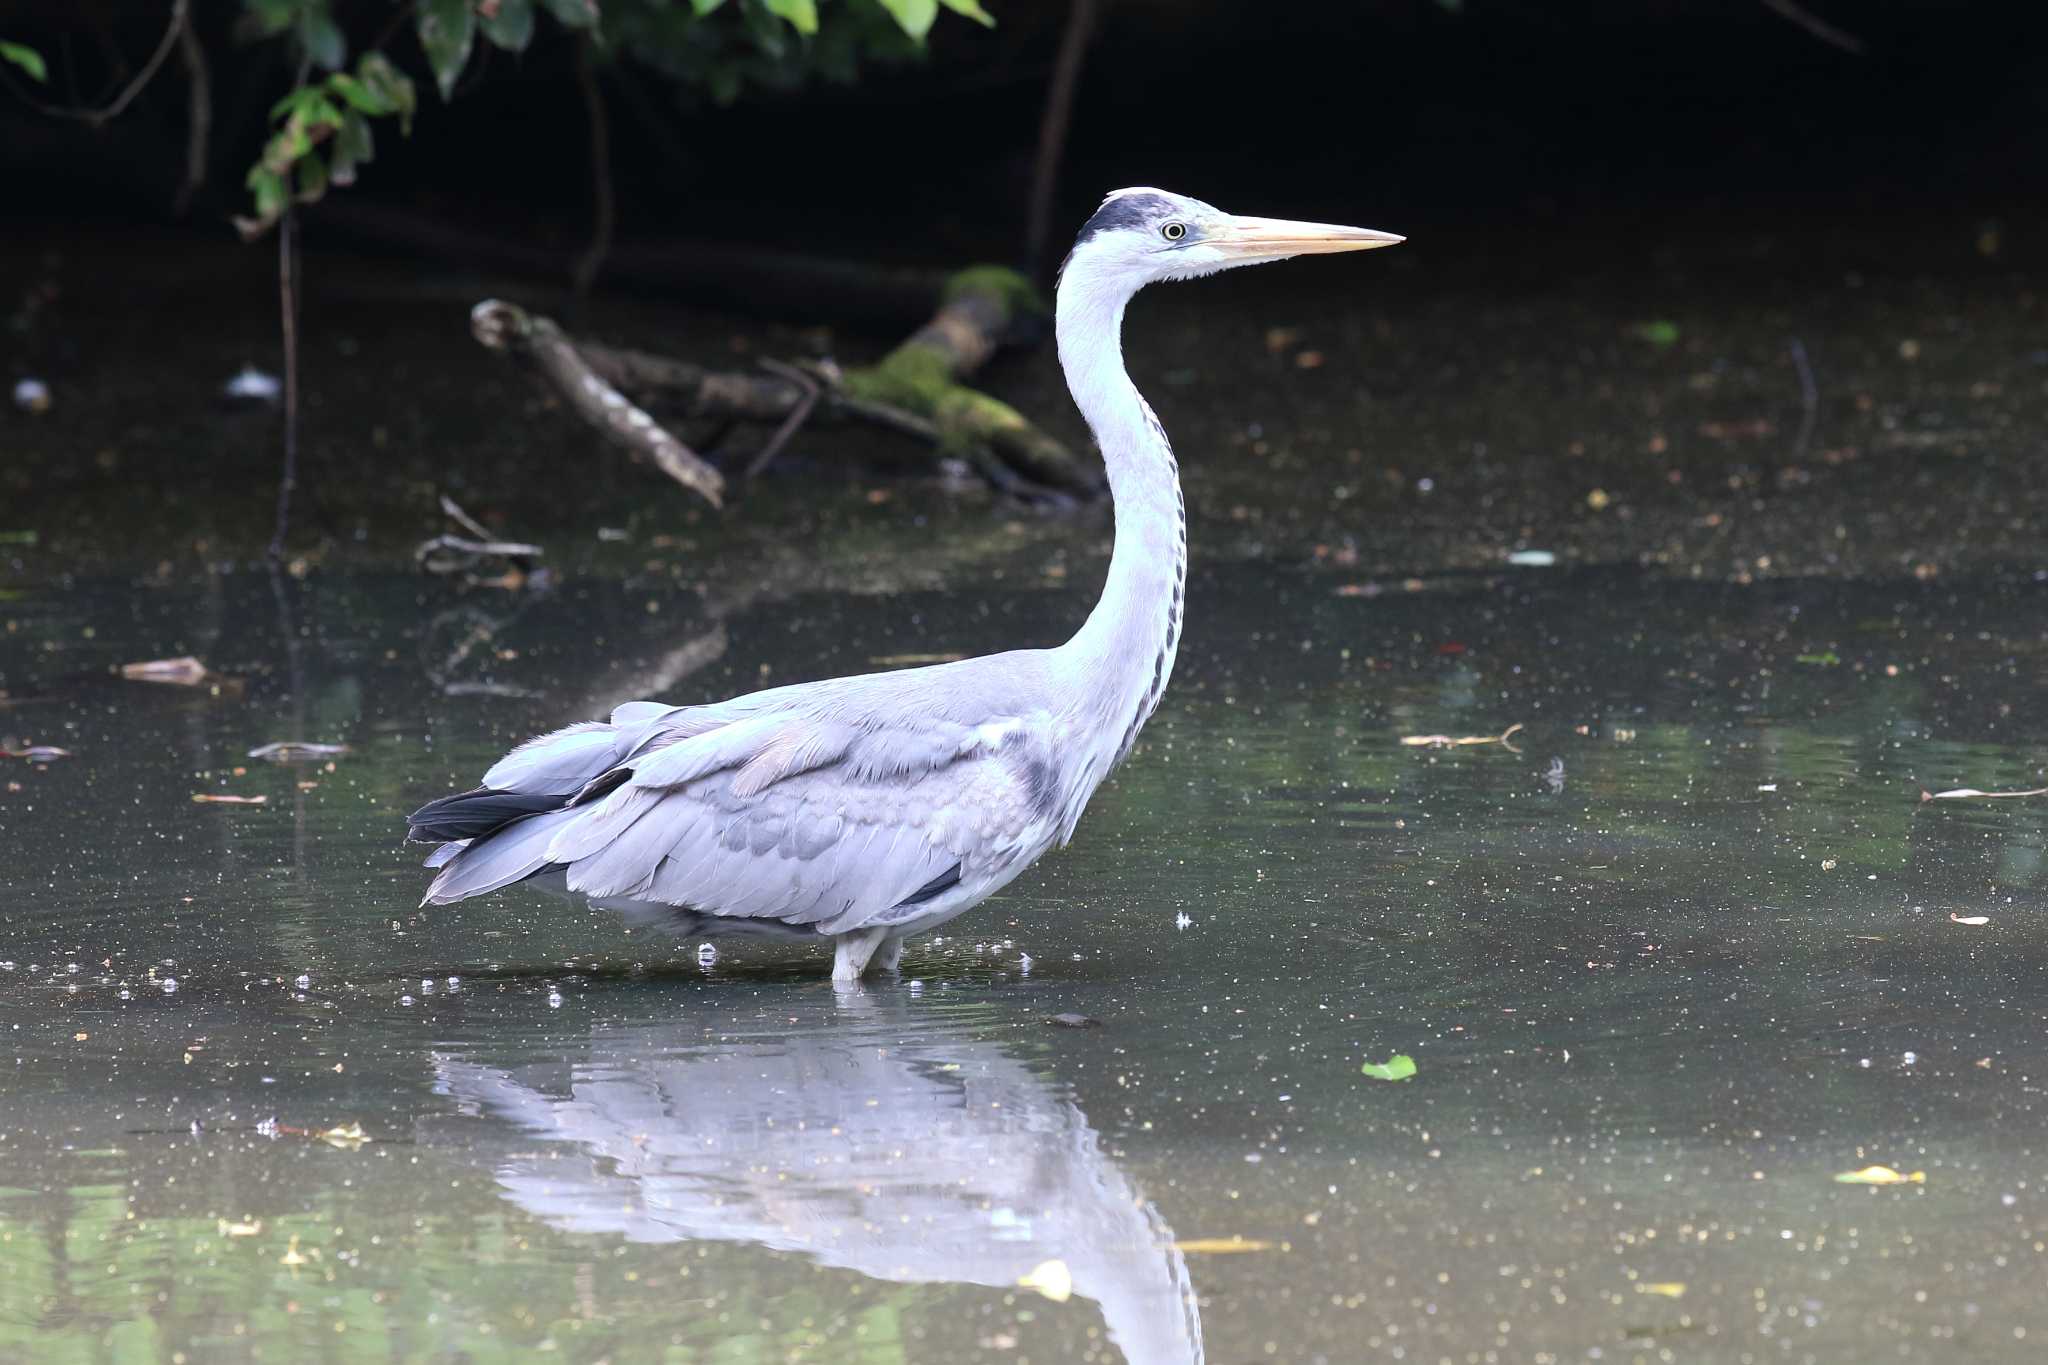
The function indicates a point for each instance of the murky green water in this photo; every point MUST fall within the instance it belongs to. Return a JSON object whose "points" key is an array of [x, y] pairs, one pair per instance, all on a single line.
{"points": [[1681, 955]]}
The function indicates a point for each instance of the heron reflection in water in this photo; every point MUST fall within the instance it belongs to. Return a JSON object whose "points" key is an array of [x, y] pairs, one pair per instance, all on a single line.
{"points": [[859, 811], [864, 1133]]}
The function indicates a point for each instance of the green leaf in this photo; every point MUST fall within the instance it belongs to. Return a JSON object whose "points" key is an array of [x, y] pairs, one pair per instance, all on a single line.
{"points": [[322, 38], [1399, 1067], [268, 187], [510, 26], [801, 14], [447, 30], [354, 144], [360, 97], [971, 9], [1827, 658], [389, 84], [275, 16], [27, 58], [573, 13], [703, 7], [1659, 332], [914, 17], [312, 179]]}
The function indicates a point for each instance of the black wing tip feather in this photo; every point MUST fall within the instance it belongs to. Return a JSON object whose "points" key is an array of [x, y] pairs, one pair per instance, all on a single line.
{"points": [[477, 813]]}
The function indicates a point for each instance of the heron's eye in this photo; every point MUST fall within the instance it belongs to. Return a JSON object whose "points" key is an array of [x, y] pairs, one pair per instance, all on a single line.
{"points": [[1173, 232]]}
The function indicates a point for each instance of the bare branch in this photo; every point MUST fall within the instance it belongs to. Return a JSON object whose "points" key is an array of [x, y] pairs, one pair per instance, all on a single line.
{"points": [[180, 19], [1814, 24]]}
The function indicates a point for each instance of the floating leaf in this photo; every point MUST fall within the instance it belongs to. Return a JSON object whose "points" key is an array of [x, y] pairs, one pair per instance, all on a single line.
{"points": [[218, 799], [1954, 918], [293, 751], [1052, 1279], [1663, 1289], [1399, 1067], [348, 1136], [1880, 1175], [228, 1229], [183, 672], [1827, 658], [1220, 1246]]}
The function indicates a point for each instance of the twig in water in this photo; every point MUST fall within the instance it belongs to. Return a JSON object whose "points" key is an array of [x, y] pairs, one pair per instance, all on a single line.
{"points": [[288, 308], [1966, 793], [1814, 24], [453, 511], [1504, 738], [1809, 397], [797, 416]]}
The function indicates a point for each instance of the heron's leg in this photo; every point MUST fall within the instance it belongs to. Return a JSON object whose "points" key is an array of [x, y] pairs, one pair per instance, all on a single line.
{"points": [[852, 951], [889, 954]]}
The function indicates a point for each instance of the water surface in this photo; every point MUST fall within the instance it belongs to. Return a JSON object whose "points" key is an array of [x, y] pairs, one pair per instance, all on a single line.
{"points": [[1678, 955]]}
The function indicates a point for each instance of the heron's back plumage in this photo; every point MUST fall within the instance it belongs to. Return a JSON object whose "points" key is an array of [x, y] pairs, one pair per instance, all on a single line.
{"points": [[881, 800]]}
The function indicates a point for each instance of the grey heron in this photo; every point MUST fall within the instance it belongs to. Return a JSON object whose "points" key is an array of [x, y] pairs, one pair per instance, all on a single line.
{"points": [[866, 809]]}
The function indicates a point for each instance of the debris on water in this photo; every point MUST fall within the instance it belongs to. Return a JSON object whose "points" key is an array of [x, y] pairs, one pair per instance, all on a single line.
{"points": [[1050, 1278], [613, 533], [1181, 919], [1968, 793], [1880, 1175], [1073, 1021], [240, 1229], [1504, 738], [1663, 1289], [181, 672], [303, 982], [291, 1255], [1659, 332], [1220, 1246], [554, 1000], [1533, 559], [221, 799], [1553, 776], [251, 385], [297, 751], [1767, 786], [1024, 964], [32, 395], [707, 954], [348, 1136], [1826, 658], [1399, 1067], [34, 753], [1954, 918], [169, 985]]}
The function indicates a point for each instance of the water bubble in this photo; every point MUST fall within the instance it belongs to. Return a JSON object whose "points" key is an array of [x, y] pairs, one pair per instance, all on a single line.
{"points": [[405, 1000], [168, 985], [554, 1000]]}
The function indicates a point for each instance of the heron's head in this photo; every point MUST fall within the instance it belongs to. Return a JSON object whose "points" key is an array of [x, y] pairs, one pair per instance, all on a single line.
{"points": [[1142, 235]]}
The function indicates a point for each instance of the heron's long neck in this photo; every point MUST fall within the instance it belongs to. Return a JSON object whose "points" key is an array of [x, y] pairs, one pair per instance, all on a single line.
{"points": [[1128, 643]]}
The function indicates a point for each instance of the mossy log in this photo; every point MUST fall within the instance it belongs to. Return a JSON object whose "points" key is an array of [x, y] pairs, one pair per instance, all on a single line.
{"points": [[916, 389], [979, 309]]}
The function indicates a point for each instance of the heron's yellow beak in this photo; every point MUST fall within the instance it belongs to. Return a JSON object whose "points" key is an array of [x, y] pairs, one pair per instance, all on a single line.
{"points": [[1254, 238]]}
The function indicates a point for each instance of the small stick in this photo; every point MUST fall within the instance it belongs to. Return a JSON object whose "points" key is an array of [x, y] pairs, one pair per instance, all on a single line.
{"points": [[1809, 397], [180, 18], [796, 418]]}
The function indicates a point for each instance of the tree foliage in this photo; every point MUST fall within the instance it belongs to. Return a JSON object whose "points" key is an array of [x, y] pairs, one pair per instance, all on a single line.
{"points": [[322, 132]]}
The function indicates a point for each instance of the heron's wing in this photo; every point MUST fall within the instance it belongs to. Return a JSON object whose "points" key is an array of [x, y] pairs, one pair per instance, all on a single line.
{"points": [[771, 814]]}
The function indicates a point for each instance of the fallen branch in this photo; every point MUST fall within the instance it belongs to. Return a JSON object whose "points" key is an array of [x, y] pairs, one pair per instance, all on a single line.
{"points": [[916, 390], [509, 328]]}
